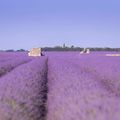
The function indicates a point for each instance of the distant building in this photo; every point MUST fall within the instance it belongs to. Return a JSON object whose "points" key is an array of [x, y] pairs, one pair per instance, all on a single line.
{"points": [[35, 52], [87, 51]]}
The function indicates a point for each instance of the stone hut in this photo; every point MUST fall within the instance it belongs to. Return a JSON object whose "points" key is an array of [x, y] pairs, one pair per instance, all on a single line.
{"points": [[87, 51], [35, 52]]}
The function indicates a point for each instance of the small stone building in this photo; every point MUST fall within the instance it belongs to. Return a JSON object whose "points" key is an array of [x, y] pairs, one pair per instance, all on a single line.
{"points": [[87, 51], [35, 52]]}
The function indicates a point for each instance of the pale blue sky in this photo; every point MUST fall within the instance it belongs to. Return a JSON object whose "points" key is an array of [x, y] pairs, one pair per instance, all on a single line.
{"points": [[37, 23]]}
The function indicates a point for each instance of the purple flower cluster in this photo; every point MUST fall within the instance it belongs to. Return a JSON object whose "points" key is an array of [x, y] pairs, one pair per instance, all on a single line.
{"points": [[76, 91], [23, 91]]}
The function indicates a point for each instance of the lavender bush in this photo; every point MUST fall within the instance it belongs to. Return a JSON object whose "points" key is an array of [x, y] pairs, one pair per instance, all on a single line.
{"points": [[23, 92]]}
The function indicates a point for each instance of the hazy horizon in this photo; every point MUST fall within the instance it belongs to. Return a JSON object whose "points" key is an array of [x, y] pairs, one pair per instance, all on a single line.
{"points": [[26, 23]]}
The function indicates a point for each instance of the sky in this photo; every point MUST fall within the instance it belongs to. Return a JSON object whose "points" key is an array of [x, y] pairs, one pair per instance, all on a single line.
{"points": [[39, 23]]}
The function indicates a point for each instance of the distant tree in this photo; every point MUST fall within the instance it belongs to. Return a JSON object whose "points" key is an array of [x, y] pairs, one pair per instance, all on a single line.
{"points": [[72, 46], [20, 50], [10, 50], [64, 45]]}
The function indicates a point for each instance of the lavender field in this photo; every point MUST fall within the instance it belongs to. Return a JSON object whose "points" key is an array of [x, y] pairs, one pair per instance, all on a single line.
{"points": [[23, 89], [59, 86]]}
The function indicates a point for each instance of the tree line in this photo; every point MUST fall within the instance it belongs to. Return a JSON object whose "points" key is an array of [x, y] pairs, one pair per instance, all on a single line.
{"points": [[58, 48], [65, 48]]}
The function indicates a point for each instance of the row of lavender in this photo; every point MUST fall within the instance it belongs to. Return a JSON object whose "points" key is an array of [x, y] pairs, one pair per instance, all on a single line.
{"points": [[23, 91], [76, 90], [9, 61], [105, 68]]}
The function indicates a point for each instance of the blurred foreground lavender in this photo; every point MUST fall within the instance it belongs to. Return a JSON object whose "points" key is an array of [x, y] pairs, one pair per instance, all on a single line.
{"points": [[23, 92]]}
